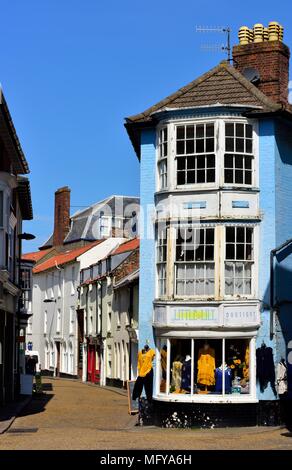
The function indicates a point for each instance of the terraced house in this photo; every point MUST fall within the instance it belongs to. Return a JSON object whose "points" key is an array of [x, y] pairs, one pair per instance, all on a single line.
{"points": [[216, 165], [56, 326]]}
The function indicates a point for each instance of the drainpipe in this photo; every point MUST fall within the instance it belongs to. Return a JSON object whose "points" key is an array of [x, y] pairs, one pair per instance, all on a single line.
{"points": [[273, 306]]}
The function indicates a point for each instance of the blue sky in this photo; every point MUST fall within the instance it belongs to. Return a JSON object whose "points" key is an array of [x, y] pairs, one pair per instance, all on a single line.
{"points": [[71, 70]]}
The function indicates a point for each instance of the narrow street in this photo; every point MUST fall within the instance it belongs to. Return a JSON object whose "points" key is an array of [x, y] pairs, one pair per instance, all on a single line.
{"points": [[72, 415]]}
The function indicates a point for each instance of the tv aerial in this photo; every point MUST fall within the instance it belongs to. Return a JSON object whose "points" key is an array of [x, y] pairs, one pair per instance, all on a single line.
{"points": [[217, 47]]}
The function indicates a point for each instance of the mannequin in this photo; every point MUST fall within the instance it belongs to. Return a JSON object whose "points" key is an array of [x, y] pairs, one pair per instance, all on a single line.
{"points": [[186, 374], [145, 373], [206, 366], [219, 378], [177, 374]]}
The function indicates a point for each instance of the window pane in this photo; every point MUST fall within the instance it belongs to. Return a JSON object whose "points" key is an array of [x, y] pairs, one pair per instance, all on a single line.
{"points": [[230, 234], [248, 131], [248, 146], [190, 132], [209, 145], [180, 147], [190, 146], [229, 145], [229, 129], [239, 130], [200, 146], [180, 132], [209, 130], [181, 163], [239, 145], [199, 131]]}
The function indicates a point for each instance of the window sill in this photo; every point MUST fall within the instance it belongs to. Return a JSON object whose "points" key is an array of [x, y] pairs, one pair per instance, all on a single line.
{"points": [[201, 398]]}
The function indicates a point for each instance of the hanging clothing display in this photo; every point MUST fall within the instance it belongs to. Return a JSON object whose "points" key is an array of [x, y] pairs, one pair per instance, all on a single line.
{"points": [[163, 361], [186, 375], [206, 367], [145, 358], [282, 378], [145, 374], [265, 367], [176, 375], [219, 379], [245, 369]]}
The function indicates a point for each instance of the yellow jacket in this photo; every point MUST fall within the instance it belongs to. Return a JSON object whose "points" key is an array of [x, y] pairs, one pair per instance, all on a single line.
{"points": [[206, 367], [145, 362]]}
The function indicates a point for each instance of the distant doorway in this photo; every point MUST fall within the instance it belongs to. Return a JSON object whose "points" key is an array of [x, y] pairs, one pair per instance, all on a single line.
{"points": [[58, 361]]}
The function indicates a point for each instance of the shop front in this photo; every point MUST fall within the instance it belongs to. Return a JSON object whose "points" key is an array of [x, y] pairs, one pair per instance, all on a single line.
{"points": [[210, 357]]}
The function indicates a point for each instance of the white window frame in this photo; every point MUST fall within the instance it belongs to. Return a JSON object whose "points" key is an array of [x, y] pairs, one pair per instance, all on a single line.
{"points": [[255, 262], [204, 398], [162, 157], [161, 264], [176, 263], [219, 129]]}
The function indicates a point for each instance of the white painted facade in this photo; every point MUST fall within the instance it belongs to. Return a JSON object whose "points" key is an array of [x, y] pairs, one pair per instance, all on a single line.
{"points": [[53, 326]]}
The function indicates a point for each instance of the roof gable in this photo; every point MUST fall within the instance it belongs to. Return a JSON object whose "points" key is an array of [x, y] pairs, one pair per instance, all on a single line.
{"points": [[221, 85]]}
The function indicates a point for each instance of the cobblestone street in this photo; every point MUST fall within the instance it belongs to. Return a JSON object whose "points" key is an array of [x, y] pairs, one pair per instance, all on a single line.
{"points": [[72, 415]]}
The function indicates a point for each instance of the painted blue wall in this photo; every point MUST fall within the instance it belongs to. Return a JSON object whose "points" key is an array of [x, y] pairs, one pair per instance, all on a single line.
{"points": [[147, 242], [276, 227], [267, 201]]}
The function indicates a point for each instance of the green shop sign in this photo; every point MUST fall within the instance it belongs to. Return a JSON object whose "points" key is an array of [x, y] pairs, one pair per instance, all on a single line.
{"points": [[191, 315]]}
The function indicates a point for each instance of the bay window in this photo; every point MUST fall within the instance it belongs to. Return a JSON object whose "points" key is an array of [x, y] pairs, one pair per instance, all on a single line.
{"points": [[194, 262], [195, 154], [238, 260], [162, 158], [238, 158]]}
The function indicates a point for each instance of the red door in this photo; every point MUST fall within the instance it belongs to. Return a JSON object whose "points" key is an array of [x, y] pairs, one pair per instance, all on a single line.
{"points": [[91, 363], [92, 366]]}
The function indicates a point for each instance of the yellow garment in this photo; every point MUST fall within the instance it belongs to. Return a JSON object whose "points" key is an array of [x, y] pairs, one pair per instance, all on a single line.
{"points": [[176, 375], [246, 367], [206, 367], [163, 359], [145, 362]]}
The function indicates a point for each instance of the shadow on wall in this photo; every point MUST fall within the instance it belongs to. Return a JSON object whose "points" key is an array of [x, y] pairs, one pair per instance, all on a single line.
{"points": [[283, 307]]}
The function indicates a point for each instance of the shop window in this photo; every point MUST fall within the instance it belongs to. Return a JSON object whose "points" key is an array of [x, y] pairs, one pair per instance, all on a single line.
{"points": [[195, 147], [238, 159], [204, 367], [238, 260], [237, 356], [161, 261], [162, 158], [195, 265]]}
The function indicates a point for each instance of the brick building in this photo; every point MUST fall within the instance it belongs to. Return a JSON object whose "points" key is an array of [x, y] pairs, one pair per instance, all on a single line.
{"points": [[216, 167]]}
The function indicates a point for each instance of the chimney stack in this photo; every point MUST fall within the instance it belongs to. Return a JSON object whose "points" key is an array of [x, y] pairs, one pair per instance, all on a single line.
{"points": [[62, 215], [261, 50]]}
